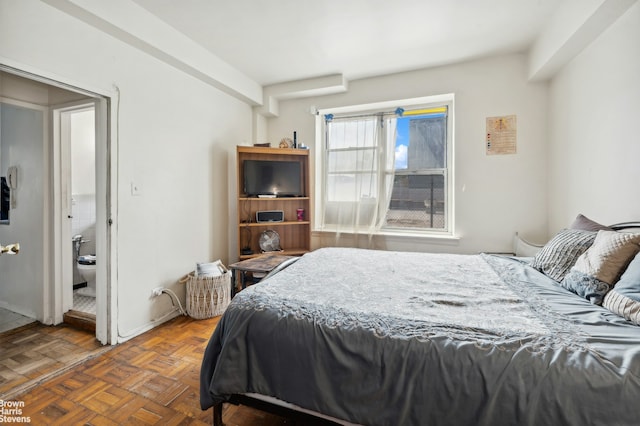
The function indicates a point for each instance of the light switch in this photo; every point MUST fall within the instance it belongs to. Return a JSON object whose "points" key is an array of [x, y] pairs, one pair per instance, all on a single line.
{"points": [[136, 189]]}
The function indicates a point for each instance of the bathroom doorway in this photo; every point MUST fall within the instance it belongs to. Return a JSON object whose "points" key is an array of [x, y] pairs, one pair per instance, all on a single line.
{"points": [[77, 132], [63, 100]]}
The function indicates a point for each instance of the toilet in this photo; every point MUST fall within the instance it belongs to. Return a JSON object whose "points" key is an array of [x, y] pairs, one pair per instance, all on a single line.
{"points": [[87, 268]]}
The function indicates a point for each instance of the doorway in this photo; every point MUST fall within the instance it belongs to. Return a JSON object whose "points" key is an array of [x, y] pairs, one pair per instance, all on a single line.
{"points": [[75, 136], [66, 102]]}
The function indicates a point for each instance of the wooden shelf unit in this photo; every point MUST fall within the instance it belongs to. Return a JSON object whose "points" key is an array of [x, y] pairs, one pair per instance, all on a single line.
{"points": [[295, 236]]}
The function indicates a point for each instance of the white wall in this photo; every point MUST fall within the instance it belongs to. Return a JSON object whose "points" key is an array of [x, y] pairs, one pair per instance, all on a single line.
{"points": [[174, 137], [594, 147], [495, 196], [83, 152]]}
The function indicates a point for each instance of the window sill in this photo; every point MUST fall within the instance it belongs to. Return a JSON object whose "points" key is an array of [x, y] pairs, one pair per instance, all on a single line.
{"points": [[402, 236]]}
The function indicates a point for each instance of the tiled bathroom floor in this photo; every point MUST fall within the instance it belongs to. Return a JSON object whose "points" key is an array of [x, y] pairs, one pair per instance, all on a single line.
{"points": [[10, 320], [84, 303]]}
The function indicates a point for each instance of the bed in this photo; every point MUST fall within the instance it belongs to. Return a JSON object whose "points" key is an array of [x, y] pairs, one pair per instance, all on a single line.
{"points": [[369, 337]]}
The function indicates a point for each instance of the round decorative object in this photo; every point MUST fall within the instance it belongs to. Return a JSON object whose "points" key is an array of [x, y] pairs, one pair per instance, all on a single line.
{"points": [[286, 143], [269, 241]]}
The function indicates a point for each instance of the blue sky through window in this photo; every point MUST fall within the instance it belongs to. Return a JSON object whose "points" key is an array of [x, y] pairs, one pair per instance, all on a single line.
{"points": [[402, 142], [402, 137]]}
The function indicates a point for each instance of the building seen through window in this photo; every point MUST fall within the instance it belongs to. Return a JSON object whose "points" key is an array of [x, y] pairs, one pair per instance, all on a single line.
{"points": [[419, 193]]}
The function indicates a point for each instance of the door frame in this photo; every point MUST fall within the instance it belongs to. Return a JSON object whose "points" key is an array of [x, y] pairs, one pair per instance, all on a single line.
{"points": [[106, 117]]}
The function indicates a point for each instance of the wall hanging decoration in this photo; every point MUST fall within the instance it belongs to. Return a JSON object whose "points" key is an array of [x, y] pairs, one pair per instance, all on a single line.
{"points": [[501, 135]]}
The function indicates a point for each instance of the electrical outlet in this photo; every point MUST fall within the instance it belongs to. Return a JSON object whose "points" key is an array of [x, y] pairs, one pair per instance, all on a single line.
{"points": [[156, 291]]}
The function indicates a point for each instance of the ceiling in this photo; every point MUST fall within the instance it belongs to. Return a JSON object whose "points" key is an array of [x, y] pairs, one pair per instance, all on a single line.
{"points": [[286, 40]]}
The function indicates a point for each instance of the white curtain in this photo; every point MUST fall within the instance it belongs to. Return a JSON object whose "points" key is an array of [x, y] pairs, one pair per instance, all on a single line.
{"points": [[358, 173]]}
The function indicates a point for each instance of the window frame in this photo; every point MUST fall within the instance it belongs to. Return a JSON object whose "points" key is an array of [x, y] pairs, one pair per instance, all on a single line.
{"points": [[417, 113], [385, 107]]}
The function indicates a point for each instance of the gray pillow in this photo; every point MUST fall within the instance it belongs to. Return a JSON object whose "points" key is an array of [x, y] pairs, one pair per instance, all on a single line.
{"points": [[624, 298], [629, 283], [586, 224], [557, 257]]}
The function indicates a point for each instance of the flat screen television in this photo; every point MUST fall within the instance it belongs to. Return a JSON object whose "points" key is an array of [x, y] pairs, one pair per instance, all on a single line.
{"points": [[279, 178]]}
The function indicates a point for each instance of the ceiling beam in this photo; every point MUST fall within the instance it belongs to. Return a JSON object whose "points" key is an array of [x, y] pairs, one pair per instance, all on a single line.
{"points": [[135, 26], [318, 86], [573, 27]]}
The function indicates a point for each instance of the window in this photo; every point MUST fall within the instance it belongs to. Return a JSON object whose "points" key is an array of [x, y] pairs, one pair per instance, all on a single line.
{"points": [[386, 171], [419, 194]]}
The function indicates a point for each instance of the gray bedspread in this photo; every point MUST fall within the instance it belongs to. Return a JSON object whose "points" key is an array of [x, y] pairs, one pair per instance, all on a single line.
{"points": [[392, 338]]}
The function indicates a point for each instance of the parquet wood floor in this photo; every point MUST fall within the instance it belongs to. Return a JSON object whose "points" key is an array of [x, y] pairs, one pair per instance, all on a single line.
{"points": [[34, 351], [152, 379]]}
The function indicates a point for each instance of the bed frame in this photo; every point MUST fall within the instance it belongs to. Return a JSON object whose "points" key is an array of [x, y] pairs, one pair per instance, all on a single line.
{"points": [[298, 417], [625, 225], [307, 418]]}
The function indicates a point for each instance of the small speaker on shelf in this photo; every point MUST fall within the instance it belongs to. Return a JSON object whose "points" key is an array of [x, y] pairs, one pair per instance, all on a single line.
{"points": [[270, 216]]}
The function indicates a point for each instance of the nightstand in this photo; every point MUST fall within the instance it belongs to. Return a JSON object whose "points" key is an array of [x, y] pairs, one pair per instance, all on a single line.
{"points": [[260, 265]]}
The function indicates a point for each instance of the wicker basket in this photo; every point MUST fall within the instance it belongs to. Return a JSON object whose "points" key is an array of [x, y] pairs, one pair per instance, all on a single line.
{"points": [[207, 297]]}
